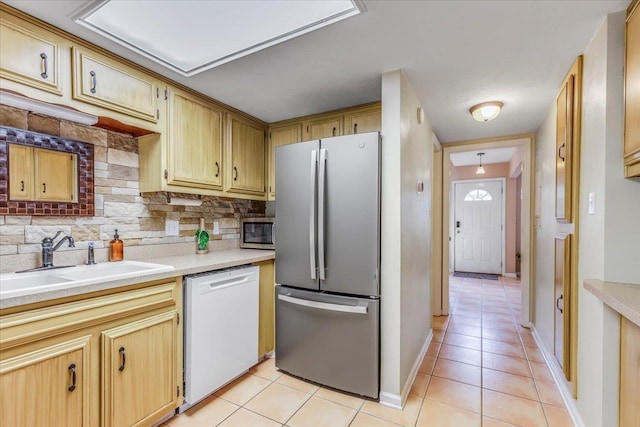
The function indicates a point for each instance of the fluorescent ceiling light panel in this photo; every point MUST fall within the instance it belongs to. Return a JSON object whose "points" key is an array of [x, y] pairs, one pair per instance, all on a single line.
{"points": [[193, 36]]}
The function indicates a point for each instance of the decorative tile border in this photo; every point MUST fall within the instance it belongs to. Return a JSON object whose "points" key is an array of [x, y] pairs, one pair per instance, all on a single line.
{"points": [[85, 205]]}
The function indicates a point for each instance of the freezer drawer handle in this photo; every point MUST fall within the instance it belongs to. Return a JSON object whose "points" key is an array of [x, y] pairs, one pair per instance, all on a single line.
{"points": [[359, 309]]}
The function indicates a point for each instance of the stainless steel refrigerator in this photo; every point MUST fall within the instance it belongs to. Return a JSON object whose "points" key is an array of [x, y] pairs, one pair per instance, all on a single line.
{"points": [[328, 261]]}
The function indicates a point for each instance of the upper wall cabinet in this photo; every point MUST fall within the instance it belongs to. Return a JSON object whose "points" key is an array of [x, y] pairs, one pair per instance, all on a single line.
{"points": [[278, 136], [632, 93], [325, 126], [363, 120], [30, 57], [195, 142], [245, 156], [103, 82]]}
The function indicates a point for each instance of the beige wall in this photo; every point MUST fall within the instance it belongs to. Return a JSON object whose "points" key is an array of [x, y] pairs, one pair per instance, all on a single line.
{"points": [[608, 247], [406, 236], [140, 220], [497, 170]]}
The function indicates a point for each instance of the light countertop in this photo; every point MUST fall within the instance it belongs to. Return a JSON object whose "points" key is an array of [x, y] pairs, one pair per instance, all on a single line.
{"points": [[182, 264], [622, 297]]}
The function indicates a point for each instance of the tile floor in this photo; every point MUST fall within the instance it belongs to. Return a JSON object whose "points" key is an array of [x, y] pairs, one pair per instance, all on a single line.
{"points": [[481, 369]]}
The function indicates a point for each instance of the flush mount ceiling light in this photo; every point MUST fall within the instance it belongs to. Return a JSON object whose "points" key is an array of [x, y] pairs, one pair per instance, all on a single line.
{"points": [[190, 36], [486, 111], [480, 170]]}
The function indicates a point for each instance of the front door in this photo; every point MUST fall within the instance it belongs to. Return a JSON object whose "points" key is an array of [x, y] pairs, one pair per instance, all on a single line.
{"points": [[478, 224]]}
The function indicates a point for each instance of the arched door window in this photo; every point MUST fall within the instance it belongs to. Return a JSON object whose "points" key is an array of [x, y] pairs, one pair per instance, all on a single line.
{"points": [[476, 195]]}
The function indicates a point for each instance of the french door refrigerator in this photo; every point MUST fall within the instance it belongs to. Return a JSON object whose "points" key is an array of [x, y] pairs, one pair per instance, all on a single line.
{"points": [[328, 261]]}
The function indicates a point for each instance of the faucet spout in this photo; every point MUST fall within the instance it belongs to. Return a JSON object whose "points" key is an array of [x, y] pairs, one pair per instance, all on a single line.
{"points": [[71, 243], [48, 248]]}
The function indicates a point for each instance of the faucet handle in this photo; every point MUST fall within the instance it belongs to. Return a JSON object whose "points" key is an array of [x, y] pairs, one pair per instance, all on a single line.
{"points": [[51, 239], [72, 243]]}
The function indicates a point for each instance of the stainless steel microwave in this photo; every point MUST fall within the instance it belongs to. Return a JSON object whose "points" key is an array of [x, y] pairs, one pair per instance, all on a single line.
{"points": [[257, 233]]}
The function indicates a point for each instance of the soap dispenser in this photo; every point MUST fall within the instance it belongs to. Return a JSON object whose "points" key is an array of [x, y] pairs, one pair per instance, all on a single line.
{"points": [[116, 248]]}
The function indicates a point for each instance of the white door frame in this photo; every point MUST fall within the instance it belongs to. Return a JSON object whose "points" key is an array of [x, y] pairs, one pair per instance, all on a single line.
{"points": [[526, 141], [503, 212]]}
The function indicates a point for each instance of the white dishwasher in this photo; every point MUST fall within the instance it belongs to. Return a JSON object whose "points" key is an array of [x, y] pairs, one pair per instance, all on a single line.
{"points": [[221, 329]]}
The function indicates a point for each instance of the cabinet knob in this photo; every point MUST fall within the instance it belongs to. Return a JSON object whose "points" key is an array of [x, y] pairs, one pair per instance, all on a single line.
{"points": [[72, 369], [44, 65], [123, 359]]}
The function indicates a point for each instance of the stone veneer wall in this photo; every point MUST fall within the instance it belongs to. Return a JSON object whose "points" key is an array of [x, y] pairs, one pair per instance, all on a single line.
{"points": [[140, 219]]}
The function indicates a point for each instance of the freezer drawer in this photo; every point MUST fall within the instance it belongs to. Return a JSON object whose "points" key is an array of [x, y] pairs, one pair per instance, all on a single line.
{"points": [[332, 340]]}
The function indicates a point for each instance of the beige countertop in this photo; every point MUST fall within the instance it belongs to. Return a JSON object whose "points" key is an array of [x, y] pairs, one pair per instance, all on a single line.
{"points": [[622, 297], [182, 264]]}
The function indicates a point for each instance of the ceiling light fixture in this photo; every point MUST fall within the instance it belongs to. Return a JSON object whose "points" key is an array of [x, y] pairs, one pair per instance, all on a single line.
{"points": [[480, 170], [486, 111]]}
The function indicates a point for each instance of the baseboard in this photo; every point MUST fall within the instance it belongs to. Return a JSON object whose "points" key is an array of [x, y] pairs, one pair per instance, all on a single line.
{"points": [[560, 381], [397, 400], [512, 275]]}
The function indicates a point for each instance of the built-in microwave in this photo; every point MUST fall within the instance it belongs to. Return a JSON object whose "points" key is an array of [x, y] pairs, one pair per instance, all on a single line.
{"points": [[257, 233]]}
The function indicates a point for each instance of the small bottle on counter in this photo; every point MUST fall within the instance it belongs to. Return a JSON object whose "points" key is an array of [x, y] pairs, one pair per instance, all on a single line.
{"points": [[116, 248]]}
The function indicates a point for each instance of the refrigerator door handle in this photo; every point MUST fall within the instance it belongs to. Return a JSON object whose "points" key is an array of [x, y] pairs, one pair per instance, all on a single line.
{"points": [[321, 180], [358, 309], [312, 215]]}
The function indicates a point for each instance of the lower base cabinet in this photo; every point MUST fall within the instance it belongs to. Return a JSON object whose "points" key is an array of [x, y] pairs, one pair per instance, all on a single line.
{"points": [[629, 373], [266, 316], [110, 360]]}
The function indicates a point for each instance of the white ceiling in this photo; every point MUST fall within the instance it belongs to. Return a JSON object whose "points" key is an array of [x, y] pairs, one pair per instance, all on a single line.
{"points": [[491, 155], [454, 53]]}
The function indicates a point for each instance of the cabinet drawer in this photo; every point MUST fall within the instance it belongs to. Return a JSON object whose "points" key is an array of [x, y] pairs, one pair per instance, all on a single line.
{"points": [[19, 328], [105, 83], [29, 58]]}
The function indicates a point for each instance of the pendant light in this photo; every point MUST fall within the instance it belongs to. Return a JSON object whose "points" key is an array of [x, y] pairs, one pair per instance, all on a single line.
{"points": [[480, 170], [486, 111]]}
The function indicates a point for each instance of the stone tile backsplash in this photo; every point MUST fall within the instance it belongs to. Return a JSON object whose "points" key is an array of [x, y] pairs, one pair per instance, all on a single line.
{"points": [[140, 219]]}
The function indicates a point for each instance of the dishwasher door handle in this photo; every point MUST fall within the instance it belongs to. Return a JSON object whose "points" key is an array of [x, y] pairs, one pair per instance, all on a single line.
{"points": [[358, 309], [218, 285]]}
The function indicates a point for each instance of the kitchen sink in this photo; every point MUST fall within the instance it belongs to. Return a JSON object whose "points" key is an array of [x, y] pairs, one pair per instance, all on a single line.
{"points": [[19, 284]]}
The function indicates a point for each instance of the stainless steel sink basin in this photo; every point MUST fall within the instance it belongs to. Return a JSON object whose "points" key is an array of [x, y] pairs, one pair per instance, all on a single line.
{"points": [[19, 284]]}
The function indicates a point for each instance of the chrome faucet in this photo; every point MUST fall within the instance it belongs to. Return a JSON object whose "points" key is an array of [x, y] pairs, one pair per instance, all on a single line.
{"points": [[48, 249]]}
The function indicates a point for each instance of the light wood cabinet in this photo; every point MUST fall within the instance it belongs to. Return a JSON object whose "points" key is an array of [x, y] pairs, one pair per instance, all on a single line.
{"points": [[55, 175], [195, 141], [324, 126], [363, 120], [267, 321], [30, 57], [632, 92], [245, 157], [279, 136], [47, 385], [564, 139], [138, 371], [41, 174], [43, 345], [629, 373], [562, 311], [20, 172], [103, 82]]}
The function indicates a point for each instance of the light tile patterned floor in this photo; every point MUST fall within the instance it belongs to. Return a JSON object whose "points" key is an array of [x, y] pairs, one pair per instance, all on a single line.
{"points": [[481, 369]]}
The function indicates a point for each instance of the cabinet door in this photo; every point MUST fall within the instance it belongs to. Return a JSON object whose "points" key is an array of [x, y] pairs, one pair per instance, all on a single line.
{"points": [[246, 151], [20, 172], [138, 371], [278, 136], [29, 58], [325, 127], [55, 175], [365, 120], [53, 379], [629, 373], [195, 142], [564, 151], [266, 330], [632, 93], [106, 83], [561, 348]]}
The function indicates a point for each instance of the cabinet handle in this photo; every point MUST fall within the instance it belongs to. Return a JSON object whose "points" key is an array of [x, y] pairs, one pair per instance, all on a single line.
{"points": [[558, 302], [94, 81], [355, 128], [235, 177], [334, 131], [21, 185], [123, 359], [218, 169], [44, 65], [44, 187], [565, 152], [72, 369]]}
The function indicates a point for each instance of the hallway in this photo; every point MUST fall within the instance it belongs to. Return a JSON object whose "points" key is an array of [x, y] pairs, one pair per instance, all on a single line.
{"points": [[481, 369]]}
